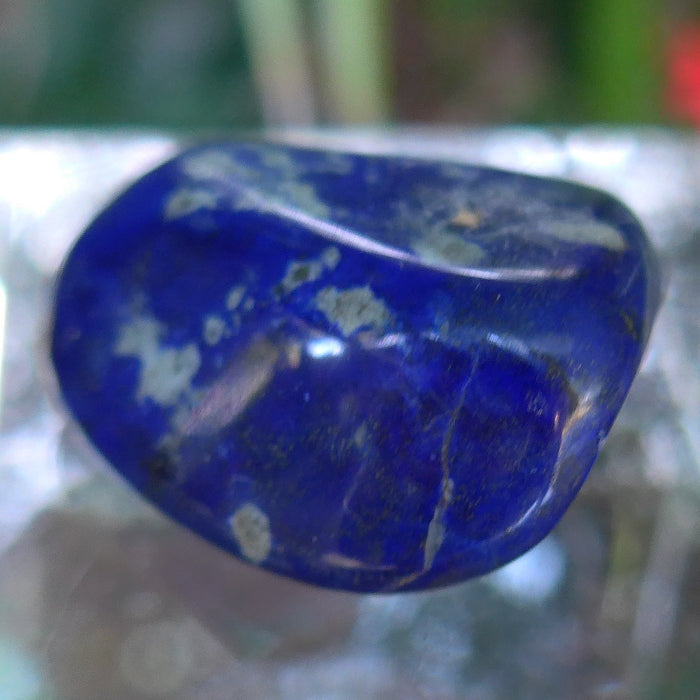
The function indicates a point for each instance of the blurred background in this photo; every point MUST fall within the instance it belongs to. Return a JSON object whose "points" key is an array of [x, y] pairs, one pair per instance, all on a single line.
{"points": [[242, 63]]}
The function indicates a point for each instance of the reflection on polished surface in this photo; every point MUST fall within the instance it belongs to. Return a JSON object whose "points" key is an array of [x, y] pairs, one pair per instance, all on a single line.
{"points": [[287, 427], [100, 596]]}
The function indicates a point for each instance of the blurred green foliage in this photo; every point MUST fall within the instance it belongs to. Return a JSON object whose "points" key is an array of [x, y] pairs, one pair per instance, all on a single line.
{"points": [[187, 63], [174, 64]]}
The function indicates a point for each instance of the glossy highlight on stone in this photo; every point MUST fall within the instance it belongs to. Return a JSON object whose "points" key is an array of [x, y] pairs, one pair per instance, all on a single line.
{"points": [[363, 372]]}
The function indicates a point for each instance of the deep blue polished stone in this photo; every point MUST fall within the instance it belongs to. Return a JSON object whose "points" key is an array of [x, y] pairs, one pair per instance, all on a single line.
{"points": [[367, 373]]}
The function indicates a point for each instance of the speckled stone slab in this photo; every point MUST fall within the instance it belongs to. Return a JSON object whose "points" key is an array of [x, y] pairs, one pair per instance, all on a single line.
{"points": [[362, 372]]}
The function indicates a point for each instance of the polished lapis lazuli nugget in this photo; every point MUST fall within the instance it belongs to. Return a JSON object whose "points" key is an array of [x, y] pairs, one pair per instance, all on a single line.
{"points": [[369, 373]]}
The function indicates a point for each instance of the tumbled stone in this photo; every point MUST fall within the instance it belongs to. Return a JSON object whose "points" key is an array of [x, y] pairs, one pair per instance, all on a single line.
{"points": [[362, 372]]}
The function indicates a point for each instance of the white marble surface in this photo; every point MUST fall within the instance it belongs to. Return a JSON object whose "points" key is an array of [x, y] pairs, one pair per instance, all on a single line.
{"points": [[102, 597]]}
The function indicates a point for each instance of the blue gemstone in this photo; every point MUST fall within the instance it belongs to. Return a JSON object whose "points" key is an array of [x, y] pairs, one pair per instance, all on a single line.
{"points": [[362, 372]]}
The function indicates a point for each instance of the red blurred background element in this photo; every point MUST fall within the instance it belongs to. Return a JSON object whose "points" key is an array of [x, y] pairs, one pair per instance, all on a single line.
{"points": [[683, 74]]}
